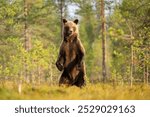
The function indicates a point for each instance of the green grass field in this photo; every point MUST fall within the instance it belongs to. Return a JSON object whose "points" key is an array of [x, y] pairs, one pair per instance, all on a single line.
{"points": [[89, 92]]}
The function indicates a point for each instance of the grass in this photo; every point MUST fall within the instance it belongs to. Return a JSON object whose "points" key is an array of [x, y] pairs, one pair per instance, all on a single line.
{"points": [[90, 92]]}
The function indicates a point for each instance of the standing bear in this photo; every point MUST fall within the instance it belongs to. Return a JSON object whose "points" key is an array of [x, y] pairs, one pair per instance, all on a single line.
{"points": [[70, 58]]}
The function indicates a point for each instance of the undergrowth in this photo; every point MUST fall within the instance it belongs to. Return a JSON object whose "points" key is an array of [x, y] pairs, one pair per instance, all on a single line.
{"points": [[89, 92]]}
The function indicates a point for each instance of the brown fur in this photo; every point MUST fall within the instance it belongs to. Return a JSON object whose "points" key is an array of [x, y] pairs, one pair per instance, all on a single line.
{"points": [[70, 58]]}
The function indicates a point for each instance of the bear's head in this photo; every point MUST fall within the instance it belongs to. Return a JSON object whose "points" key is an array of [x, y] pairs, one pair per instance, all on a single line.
{"points": [[70, 27]]}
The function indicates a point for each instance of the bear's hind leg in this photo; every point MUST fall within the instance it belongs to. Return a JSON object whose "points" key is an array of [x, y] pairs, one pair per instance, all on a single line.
{"points": [[64, 80], [80, 80]]}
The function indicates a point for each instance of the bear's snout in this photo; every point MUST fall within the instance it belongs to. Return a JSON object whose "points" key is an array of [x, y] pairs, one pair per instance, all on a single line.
{"points": [[70, 32]]}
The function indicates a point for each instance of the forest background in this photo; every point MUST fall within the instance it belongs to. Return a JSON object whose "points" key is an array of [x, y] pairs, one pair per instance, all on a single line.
{"points": [[30, 36]]}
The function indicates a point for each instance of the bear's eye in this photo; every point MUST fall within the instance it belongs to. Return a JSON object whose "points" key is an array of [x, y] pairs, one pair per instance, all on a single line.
{"points": [[74, 29]]}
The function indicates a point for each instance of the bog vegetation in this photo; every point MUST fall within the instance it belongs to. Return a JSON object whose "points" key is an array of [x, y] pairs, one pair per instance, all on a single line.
{"points": [[30, 35], [89, 92]]}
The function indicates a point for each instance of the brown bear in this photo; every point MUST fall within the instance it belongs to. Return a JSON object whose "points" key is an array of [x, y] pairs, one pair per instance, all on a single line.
{"points": [[70, 58]]}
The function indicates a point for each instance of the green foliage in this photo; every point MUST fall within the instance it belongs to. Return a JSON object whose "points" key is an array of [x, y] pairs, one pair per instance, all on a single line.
{"points": [[127, 30], [38, 60]]}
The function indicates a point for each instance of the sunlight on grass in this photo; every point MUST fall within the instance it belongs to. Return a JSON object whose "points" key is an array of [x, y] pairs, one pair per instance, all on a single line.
{"points": [[89, 92]]}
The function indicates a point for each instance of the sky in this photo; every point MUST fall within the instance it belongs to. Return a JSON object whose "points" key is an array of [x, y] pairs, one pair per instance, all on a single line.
{"points": [[72, 10]]}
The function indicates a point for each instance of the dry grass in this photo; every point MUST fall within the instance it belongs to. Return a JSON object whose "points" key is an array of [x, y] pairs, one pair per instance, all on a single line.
{"points": [[90, 92]]}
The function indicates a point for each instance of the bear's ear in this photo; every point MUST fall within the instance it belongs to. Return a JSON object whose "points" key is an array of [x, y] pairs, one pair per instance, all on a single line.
{"points": [[64, 21], [76, 21]]}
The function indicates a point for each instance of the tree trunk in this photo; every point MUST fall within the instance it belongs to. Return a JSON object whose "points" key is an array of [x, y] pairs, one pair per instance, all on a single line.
{"points": [[20, 83], [27, 42], [144, 71], [131, 67], [147, 71], [51, 74], [132, 54], [61, 17], [103, 41], [147, 68]]}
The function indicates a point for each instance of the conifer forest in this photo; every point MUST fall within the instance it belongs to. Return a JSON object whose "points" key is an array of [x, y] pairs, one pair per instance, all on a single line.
{"points": [[114, 33]]}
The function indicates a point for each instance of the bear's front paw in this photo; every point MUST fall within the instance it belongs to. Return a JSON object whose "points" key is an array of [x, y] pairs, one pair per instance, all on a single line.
{"points": [[59, 66]]}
